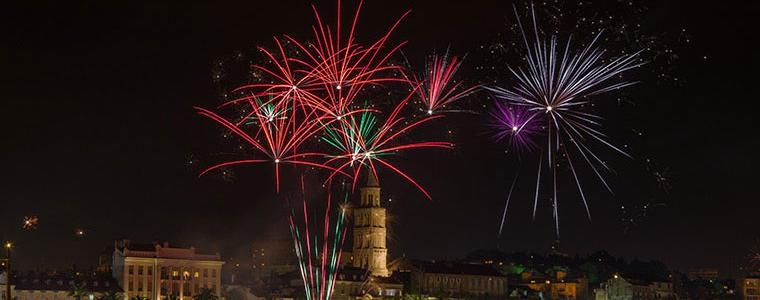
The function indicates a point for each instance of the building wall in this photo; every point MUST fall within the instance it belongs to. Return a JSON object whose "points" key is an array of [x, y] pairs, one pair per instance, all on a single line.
{"points": [[458, 284], [620, 289], [348, 289], [370, 233], [748, 288], [616, 289], [156, 277], [45, 295], [569, 290]]}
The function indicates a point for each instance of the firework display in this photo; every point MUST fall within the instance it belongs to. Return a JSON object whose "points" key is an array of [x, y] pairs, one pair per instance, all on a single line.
{"points": [[318, 254], [312, 89], [30, 222], [363, 142], [438, 88], [557, 85], [327, 104]]}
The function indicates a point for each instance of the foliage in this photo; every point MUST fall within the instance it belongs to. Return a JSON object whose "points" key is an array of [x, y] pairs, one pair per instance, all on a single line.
{"points": [[78, 291], [206, 294]]}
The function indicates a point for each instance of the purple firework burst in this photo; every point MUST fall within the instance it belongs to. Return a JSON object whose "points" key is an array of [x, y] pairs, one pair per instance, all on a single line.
{"points": [[515, 123]]}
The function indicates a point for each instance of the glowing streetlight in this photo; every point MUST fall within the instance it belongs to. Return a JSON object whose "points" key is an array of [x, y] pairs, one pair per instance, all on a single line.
{"points": [[8, 246]]}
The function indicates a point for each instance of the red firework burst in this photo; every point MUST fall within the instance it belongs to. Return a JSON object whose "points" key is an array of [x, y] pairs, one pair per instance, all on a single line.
{"points": [[438, 87]]}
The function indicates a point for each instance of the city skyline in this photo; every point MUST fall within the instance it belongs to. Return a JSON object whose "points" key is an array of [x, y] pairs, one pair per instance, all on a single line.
{"points": [[102, 140]]}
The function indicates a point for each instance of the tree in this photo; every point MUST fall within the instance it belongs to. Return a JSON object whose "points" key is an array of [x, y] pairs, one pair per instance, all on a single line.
{"points": [[110, 295], [171, 297], [413, 297], [138, 297], [206, 294], [78, 291]]}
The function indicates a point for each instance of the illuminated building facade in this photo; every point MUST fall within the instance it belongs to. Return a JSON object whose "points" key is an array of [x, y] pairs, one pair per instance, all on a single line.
{"points": [[748, 288], [355, 283], [370, 233], [704, 274], [619, 288], [560, 286], [155, 271], [58, 286], [449, 280]]}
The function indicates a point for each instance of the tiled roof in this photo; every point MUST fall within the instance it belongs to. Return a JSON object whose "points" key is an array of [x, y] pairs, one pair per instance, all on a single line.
{"points": [[459, 268], [95, 284]]}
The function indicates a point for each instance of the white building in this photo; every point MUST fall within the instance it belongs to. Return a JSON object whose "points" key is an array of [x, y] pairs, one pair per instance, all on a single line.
{"points": [[155, 271]]}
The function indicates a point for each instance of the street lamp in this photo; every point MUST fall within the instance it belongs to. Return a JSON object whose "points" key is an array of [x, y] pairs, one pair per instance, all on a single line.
{"points": [[8, 246]]}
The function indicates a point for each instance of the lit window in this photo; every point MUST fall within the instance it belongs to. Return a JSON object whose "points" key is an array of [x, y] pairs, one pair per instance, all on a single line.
{"points": [[197, 274], [175, 273]]}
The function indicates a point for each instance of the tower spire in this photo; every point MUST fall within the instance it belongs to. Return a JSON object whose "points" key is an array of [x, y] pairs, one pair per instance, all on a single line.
{"points": [[369, 229], [372, 179]]}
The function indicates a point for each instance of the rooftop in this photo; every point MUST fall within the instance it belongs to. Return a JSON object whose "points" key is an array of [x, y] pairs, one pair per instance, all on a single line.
{"points": [[156, 250], [58, 282]]}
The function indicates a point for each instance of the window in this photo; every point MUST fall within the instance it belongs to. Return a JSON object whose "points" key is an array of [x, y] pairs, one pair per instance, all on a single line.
{"points": [[213, 273], [196, 274], [139, 270], [150, 270], [205, 273], [175, 274], [150, 285], [130, 286], [139, 286], [131, 270]]}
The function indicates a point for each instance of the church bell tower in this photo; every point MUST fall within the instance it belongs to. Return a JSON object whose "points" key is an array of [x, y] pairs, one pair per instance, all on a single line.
{"points": [[369, 230]]}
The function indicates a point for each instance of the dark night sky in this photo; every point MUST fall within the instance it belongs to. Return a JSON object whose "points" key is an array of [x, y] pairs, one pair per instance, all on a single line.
{"points": [[97, 126]]}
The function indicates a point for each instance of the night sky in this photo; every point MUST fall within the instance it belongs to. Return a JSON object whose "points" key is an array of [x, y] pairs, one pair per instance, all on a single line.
{"points": [[98, 128]]}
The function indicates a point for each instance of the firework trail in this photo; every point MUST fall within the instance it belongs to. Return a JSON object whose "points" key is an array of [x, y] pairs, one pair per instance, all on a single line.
{"points": [[308, 86], [278, 140], [301, 110], [362, 141], [318, 255], [438, 87], [556, 84]]}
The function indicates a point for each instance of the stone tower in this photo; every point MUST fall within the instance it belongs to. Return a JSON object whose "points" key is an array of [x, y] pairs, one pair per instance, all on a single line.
{"points": [[369, 230]]}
